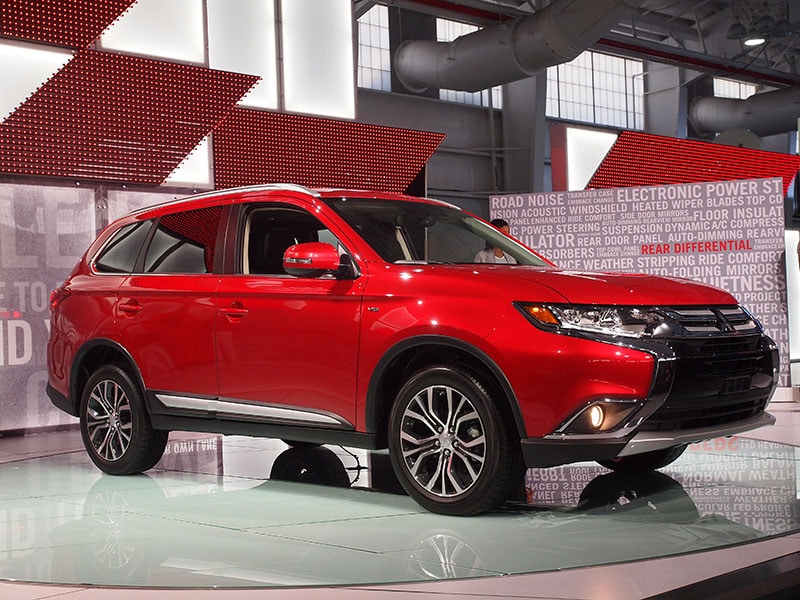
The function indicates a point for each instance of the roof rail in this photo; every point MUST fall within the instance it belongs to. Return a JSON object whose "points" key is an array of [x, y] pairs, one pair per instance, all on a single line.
{"points": [[294, 188], [289, 187]]}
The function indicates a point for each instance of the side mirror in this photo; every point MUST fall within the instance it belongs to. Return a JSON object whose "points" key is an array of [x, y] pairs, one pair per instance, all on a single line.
{"points": [[312, 259]]}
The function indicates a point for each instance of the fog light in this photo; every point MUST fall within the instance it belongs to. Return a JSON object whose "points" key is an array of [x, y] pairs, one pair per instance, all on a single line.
{"points": [[601, 416], [596, 416]]}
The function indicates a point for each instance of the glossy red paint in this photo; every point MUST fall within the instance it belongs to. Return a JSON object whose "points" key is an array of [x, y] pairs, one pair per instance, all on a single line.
{"points": [[311, 256], [296, 345], [474, 304], [167, 326], [221, 338]]}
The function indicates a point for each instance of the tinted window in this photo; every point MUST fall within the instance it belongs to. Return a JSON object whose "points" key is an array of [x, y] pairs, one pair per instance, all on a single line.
{"points": [[419, 232], [184, 242], [120, 254], [270, 231]]}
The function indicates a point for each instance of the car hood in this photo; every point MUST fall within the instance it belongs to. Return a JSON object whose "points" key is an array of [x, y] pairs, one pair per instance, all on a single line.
{"points": [[606, 288]]}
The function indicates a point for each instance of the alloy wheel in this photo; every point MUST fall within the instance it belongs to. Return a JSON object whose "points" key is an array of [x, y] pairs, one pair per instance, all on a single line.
{"points": [[108, 420], [443, 441]]}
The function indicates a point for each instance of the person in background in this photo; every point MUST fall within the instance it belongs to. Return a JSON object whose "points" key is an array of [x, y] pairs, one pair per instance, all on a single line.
{"points": [[492, 254]]}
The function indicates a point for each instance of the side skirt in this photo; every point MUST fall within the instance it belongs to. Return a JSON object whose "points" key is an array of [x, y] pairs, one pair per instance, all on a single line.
{"points": [[172, 412], [337, 437]]}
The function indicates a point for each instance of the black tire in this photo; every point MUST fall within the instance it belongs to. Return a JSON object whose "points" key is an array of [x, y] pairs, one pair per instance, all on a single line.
{"points": [[453, 456], [316, 465], [115, 426], [647, 461]]}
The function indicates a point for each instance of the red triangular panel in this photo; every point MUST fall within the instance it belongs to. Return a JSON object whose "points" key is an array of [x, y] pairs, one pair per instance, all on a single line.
{"points": [[117, 118], [252, 147], [642, 159], [73, 23]]}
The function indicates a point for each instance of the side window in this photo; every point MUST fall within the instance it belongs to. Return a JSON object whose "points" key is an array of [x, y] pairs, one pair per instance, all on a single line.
{"points": [[121, 252], [184, 242], [270, 231]]}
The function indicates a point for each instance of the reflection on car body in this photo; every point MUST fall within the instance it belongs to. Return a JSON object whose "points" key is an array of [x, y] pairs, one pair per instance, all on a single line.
{"points": [[361, 318]]}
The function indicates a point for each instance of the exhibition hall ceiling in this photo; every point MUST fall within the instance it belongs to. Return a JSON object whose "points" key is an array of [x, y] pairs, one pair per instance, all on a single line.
{"points": [[709, 34]]}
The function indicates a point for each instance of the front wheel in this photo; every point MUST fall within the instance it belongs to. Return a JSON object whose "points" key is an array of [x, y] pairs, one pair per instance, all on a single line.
{"points": [[450, 448], [115, 427], [647, 461]]}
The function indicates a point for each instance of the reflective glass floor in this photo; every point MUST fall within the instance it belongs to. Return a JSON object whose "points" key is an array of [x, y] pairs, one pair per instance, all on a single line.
{"points": [[236, 512]]}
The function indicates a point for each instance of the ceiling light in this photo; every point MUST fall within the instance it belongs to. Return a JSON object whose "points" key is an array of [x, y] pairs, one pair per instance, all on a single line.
{"points": [[754, 40]]}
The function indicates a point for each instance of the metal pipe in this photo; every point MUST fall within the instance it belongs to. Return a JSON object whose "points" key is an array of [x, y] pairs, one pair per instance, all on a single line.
{"points": [[764, 114], [510, 51]]}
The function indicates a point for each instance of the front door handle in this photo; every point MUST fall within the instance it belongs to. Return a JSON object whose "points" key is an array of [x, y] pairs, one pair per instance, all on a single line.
{"points": [[234, 311]]}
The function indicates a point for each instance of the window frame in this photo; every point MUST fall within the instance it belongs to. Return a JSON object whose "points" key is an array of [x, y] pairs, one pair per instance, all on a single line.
{"points": [[241, 266]]}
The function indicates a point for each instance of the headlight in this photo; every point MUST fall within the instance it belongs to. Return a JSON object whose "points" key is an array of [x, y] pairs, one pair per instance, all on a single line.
{"points": [[611, 320]]}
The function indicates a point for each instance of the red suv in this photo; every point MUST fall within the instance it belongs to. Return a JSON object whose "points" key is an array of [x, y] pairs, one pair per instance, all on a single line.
{"points": [[365, 319]]}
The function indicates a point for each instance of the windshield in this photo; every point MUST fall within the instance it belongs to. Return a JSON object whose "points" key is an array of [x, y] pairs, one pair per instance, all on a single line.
{"points": [[402, 231]]}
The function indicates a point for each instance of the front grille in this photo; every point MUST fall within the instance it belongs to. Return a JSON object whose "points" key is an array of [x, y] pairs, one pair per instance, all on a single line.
{"points": [[711, 320], [723, 372]]}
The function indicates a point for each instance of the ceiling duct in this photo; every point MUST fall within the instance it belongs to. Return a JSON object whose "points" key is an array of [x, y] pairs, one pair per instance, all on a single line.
{"points": [[511, 51], [764, 114]]}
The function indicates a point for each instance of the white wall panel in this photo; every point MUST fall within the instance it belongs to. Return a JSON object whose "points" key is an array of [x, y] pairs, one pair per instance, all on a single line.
{"points": [[241, 38], [23, 70], [172, 29], [318, 71], [195, 169], [586, 149]]}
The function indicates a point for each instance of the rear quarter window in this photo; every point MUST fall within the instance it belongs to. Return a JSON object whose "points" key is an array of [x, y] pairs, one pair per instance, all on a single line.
{"points": [[120, 254], [184, 242]]}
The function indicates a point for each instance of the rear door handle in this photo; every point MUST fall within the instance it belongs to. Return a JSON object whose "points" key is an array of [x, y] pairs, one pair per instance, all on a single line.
{"points": [[130, 308]]}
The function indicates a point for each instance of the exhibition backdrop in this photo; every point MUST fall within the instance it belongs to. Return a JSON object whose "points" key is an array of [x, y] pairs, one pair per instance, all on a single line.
{"points": [[729, 234], [43, 232]]}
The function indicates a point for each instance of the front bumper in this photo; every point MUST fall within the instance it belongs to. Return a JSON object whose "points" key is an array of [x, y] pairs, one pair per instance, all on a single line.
{"points": [[702, 388], [552, 451]]}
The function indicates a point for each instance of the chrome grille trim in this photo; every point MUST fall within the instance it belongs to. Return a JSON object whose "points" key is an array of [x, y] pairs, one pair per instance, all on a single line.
{"points": [[711, 320]]}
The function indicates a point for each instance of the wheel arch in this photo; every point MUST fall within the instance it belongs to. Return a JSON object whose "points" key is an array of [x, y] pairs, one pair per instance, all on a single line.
{"points": [[408, 356], [92, 356]]}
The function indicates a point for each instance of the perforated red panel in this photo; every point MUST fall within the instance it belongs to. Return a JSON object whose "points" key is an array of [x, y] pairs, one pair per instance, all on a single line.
{"points": [[641, 159], [253, 147], [74, 23], [117, 118]]}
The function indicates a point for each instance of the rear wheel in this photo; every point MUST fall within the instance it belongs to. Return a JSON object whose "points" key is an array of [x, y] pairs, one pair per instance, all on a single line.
{"points": [[449, 445], [647, 461], [115, 427]]}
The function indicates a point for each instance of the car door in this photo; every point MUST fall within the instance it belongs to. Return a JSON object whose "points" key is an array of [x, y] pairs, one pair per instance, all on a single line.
{"points": [[287, 347], [166, 308]]}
